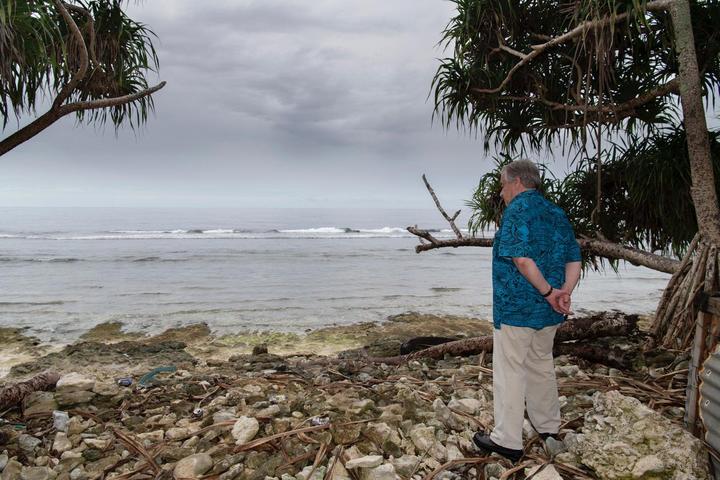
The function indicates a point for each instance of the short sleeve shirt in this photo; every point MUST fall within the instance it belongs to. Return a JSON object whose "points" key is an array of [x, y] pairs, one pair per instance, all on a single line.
{"points": [[535, 228]]}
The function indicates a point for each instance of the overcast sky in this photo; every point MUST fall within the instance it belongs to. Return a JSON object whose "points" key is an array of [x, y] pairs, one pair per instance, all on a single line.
{"points": [[268, 103]]}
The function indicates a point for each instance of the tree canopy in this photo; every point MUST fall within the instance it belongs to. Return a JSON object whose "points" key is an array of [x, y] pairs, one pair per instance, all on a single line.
{"points": [[595, 77], [87, 56], [528, 74]]}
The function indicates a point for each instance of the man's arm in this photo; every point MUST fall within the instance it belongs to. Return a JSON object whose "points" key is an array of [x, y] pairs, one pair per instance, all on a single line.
{"points": [[529, 269], [572, 276], [532, 273]]}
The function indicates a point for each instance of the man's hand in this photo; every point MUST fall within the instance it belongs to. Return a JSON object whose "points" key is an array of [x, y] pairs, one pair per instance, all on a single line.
{"points": [[560, 301]]}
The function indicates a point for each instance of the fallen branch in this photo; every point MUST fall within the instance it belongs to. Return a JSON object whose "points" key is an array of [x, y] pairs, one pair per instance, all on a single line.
{"points": [[593, 246], [577, 329], [14, 394]]}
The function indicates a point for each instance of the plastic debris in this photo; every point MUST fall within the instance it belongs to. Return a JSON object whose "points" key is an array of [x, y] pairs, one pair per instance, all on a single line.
{"points": [[147, 379], [125, 382]]}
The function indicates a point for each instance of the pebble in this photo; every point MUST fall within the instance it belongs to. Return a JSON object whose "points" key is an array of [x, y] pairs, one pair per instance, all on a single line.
{"points": [[61, 443], [176, 433], [28, 443], [60, 420], [73, 381], [79, 473], [155, 436], [12, 470], [554, 446], [3, 461], [368, 461], [193, 466], [541, 472], [383, 472], [245, 429], [35, 473], [99, 443]]}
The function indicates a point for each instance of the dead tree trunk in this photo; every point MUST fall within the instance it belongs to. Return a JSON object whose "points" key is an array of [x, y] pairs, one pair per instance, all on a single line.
{"points": [[580, 329], [14, 394]]}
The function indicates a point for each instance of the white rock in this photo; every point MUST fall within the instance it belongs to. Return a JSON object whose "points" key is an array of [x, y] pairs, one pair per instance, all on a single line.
{"points": [[245, 430], [99, 443], [304, 474], [423, 437], [383, 472], [547, 473], [61, 443], [368, 461], [60, 420], [176, 433], [466, 405], [223, 416], [406, 464], [73, 382], [155, 436], [270, 411], [339, 472], [620, 432], [193, 466]]}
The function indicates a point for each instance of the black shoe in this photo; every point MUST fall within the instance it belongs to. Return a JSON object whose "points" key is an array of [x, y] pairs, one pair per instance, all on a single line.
{"points": [[483, 441], [546, 435]]}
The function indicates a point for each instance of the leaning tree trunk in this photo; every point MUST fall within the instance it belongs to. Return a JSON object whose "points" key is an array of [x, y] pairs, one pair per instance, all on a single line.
{"points": [[675, 319]]}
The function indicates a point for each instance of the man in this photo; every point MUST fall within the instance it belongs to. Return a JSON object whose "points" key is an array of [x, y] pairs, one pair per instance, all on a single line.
{"points": [[536, 265]]}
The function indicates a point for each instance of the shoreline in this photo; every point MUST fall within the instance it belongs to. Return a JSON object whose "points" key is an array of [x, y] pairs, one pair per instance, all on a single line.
{"points": [[379, 338], [224, 408]]}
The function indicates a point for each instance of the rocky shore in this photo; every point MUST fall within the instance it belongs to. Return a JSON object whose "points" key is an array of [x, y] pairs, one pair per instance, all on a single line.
{"points": [[268, 414]]}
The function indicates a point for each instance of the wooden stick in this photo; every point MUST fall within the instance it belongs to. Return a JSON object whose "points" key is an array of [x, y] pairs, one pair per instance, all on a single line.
{"points": [[450, 220]]}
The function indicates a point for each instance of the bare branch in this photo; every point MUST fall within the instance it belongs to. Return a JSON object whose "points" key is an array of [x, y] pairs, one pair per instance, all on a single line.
{"points": [[537, 50], [616, 109], [82, 69], [110, 102], [451, 221], [594, 246], [54, 114]]}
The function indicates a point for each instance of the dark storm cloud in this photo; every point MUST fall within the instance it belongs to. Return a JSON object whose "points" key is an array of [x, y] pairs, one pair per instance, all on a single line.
{"points": [[274, 102]]}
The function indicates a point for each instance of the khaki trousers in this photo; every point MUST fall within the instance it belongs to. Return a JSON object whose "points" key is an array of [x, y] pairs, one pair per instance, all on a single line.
{"points": [[523, 375]]}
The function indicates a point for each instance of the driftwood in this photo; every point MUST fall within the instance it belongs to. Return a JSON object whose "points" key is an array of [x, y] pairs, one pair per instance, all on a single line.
{"points": [[577, 329], [615, 357], [14, 394]]}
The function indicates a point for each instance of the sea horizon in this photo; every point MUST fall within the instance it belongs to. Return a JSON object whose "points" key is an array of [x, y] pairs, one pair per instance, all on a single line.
{"points": [[67, 270]]}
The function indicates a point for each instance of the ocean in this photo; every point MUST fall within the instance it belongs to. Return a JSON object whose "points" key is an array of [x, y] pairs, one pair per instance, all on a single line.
{"points": [[65, 270]]}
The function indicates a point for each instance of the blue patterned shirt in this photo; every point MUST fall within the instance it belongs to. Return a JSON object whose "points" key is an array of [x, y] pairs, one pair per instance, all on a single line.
{"points": [[531, 227]]}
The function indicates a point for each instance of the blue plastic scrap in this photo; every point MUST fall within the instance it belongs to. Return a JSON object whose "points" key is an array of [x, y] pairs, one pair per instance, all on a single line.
{"points": [[147, 379]]}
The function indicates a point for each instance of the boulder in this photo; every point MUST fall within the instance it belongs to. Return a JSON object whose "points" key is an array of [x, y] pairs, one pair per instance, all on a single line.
{"points": [[39, 403], [622, 438], [74, 382]]}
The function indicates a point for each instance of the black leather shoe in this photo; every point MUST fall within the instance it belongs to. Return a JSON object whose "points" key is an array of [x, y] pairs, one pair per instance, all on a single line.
{"points": [[483, 441]]}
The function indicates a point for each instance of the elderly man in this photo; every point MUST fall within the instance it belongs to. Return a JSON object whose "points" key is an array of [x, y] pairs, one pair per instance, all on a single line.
{"points": [[536, 265]]}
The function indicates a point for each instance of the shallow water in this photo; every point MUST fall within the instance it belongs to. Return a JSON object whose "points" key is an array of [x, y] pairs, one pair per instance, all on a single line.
{"points": [[66, 270]]}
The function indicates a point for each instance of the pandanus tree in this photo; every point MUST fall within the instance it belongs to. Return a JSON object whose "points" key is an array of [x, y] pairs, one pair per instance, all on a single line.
{"points": [[620, 85], [87, 57]]}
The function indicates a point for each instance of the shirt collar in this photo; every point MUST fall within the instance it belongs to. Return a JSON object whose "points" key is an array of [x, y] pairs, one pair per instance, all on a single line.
{"points": [[526, 193]]}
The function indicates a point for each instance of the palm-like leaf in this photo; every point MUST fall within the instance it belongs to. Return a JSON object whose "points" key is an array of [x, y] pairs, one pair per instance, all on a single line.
{"points": [[38, 55]]}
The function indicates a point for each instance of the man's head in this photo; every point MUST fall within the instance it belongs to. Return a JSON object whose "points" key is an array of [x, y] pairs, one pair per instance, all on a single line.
{"points": [[518, 176]]}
